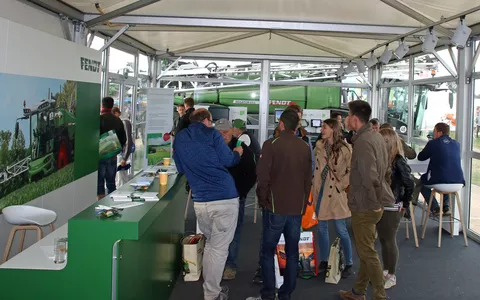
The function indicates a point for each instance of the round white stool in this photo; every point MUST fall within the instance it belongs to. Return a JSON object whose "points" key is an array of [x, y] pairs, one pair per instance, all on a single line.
{"points": [[26, 217], [444, 189]]}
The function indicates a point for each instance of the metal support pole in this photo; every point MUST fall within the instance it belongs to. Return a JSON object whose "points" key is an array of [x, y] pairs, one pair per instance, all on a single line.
{"points": [[444, 63], [90, 39], [114, 38], [105, 82], [264, 100], [375, 101], [411, 100], [463, 129], [474, 60], [454, 59], [120, 12], [169, 67]]}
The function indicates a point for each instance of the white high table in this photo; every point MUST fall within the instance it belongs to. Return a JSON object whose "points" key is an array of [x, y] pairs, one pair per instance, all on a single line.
{"points": [[418, 166]]}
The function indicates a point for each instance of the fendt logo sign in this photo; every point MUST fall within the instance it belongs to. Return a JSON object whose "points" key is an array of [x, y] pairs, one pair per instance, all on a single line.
{"points": [[90, 65]]}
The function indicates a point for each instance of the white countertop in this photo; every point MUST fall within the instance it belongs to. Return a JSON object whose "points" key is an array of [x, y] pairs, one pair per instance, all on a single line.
{"points": [[40, 255]]}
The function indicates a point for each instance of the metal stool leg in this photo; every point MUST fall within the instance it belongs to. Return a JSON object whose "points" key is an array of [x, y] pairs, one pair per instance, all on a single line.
{"points": [[464, 229], [428, 213], [412, 214], [407, 233]]}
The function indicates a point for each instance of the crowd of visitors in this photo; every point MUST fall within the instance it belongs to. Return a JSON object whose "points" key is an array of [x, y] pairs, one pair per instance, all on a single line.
{"points": [[357, 170]]}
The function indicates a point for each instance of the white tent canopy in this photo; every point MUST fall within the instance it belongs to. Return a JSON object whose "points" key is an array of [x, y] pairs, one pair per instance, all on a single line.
{"points": [[335, 29]]}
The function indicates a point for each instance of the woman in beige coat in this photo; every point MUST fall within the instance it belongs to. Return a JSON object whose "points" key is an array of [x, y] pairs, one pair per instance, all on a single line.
{"points": [[331, 178]]}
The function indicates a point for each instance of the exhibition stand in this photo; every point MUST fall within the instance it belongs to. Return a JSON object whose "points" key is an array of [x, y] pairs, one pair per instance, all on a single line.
{"points": [[133, 255]]}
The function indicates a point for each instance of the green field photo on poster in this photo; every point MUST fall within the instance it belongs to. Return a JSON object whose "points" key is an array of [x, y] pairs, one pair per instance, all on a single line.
{"points": [[158, 145], [37, 136]]}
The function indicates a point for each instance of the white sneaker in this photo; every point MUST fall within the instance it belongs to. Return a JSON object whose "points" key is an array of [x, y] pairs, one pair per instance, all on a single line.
{"points": [[390, 281]]}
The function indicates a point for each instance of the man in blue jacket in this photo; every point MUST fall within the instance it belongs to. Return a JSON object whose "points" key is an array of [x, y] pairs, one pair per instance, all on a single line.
{"points": [[444, 166], [202, 155]]}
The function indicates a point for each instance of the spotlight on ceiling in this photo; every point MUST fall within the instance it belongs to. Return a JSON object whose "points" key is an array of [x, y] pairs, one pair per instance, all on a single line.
{"points": [[461, 34], [349, 69], [341, 72], [371, 61], [361, 67], [401, 50], [430, 41], [386, 56]]}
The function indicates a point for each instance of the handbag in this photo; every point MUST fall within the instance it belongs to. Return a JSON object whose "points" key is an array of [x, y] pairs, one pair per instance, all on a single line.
{"points": [[336, 263], [309, 219]]}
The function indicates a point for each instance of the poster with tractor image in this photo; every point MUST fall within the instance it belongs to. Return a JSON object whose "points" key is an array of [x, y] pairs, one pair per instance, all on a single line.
{"points": [[158, 146], [37, 136]]}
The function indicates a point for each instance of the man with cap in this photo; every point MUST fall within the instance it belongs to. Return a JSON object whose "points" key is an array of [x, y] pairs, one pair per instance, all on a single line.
{"points": [[244, 175], [241, 133]]}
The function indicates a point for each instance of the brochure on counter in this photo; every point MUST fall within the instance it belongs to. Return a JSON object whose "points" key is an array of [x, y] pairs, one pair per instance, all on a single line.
{"points": [[171, 170]]}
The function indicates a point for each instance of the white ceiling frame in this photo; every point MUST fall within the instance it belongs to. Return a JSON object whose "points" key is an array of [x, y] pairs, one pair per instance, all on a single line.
{"points": [[119, 12], [412, 13], [258, 57], [211, 44], [313, 45], [256, 24]]}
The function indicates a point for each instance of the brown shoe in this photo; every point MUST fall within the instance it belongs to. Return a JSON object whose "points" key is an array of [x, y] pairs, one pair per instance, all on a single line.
{"points": [[348, 295]]}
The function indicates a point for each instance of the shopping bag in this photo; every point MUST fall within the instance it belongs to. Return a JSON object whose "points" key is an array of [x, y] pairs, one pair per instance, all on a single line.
{"points": [[309, 219], [336, 263], [109, 145], [278, 276], [193, 247], [307, 259]]}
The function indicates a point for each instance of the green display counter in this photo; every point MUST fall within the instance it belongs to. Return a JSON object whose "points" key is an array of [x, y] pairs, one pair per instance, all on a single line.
{"points": [[136, 255]]}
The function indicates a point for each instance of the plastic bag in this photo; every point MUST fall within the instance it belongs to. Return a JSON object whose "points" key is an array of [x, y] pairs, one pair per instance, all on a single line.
{"points": [[309, 219], [109, 145]]}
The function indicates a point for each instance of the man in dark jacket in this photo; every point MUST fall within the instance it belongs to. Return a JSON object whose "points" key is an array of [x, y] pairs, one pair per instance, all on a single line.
{"points": [[107, 168], [444, 166], [244, 175], [240, 132], [202, 155], [184, 121], [284, 179]]}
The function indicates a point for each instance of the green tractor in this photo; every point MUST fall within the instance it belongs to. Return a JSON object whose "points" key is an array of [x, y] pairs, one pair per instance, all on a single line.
{"points": [[52, 138]]}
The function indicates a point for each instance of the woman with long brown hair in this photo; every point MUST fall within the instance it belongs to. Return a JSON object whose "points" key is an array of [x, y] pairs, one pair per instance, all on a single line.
{"points": [[331, 178], [402, 185]]}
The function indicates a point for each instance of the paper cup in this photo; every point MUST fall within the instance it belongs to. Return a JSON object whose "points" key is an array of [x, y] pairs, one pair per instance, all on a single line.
{"points": [[166, 161], [163, 178]]}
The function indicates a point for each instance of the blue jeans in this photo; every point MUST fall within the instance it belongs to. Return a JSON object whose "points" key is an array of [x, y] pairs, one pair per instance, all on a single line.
{"points": [[273, 227], [107, 169], [235, 244], [426, 193], [324, 241]]}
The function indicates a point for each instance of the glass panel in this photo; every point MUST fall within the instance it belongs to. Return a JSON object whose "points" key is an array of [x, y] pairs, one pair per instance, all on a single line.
{"points": [[475, 197], [114, 92], [142, 64], [434, 103], [97, 42], [396, 72], [127, 108], [140, 122], [477, 64], [121, 62], [397, 108], [142, 82], [476, 116], [428, 66]]}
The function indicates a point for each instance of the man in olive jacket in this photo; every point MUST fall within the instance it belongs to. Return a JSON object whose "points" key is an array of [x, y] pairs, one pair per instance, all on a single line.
{"points": [[369, 192]]}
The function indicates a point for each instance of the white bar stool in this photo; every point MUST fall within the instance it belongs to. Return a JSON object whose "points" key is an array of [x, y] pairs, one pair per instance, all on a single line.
{"points": [[444, 189], [26, 217]]}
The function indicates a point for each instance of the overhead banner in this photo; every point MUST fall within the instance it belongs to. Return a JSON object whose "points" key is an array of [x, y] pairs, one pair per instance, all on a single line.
{"points": [[159, 124], [49, 115]]}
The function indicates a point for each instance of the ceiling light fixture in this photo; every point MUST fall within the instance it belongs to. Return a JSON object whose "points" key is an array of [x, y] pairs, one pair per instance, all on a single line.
{"points": [[361, 66], [401, 50], [341, 72], [430, 41], [349, 69], [461, 35], [386, 56], [371, 61]]}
